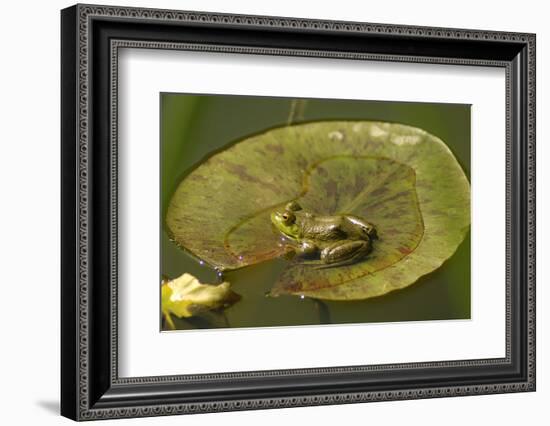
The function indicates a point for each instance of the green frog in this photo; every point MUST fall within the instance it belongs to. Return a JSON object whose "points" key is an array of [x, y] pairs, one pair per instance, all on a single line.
{"points": [[334, 240]]}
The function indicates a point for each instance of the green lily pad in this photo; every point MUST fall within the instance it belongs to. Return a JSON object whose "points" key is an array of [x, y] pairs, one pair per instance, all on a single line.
{"points": [[400, 178]]}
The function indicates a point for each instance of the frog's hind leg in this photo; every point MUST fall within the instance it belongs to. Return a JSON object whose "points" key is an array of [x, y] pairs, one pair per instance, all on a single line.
{"points": [[344, 253]]}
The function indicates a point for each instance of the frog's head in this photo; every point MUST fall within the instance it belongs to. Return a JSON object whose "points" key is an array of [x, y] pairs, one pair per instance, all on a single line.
{"points": [[285, 220]]}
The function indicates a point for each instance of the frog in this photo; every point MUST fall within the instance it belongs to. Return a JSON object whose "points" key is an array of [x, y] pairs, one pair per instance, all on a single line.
{"points": [[333, 240]]}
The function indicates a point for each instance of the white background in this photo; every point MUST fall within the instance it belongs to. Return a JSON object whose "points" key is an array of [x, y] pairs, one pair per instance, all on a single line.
{"points": [[29, 225], [140, 343]]}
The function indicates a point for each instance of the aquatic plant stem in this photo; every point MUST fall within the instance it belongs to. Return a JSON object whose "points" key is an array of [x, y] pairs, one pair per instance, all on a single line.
{"points": [[324, 312], [169, 321], [296, 112]]}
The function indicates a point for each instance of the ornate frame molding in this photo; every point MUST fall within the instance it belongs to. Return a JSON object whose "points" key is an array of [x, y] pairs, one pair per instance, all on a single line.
{"points": [[87, 403]]}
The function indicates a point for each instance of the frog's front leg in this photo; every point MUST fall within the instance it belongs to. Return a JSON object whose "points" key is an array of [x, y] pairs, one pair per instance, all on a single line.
{"points": [[302, 250], [345, 252], [307, 249]]}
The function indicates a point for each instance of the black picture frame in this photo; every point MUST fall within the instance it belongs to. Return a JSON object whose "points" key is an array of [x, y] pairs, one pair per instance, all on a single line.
{"points": [[90, 386]]}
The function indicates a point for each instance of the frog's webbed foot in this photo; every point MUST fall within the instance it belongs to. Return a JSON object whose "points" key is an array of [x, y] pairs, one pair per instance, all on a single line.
{"points": [[345, 252]]}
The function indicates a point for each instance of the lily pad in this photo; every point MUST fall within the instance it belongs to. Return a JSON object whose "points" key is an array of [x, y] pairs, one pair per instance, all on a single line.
{"points": [[400, 178], [186, 297]]}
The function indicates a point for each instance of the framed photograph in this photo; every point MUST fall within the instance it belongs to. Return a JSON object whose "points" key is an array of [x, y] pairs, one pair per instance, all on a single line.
{"points": [[263, 212]]}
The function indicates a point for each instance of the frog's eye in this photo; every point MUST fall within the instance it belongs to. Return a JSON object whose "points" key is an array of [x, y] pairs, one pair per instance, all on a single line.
{"points": [[288, 217]]}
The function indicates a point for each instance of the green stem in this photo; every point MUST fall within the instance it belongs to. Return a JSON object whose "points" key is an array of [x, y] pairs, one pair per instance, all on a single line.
{"points": [[296, 112], [324, 312], [169, 321]]}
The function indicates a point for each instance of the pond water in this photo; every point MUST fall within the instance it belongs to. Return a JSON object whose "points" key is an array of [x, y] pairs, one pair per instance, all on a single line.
{"points": [[193, 127]]}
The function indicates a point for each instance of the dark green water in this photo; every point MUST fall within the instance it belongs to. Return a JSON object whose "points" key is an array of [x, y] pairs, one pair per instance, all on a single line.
{"points": [[192, 127]]}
